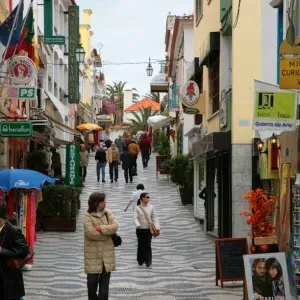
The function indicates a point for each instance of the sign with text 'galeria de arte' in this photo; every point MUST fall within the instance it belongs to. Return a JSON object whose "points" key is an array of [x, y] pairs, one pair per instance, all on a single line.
{"points": [[275, 111], [72, 165], [73, 44]]}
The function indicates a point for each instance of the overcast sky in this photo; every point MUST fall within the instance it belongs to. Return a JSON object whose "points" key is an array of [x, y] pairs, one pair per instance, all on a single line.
{"points": [[131, 31]]}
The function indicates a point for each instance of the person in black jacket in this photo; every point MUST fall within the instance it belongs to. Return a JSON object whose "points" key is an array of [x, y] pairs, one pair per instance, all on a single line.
{"points": [[127, 160], [12, 245], [101, 159]]}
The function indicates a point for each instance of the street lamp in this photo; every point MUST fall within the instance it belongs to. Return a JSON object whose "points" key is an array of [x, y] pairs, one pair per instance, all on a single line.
{"points": [[80, 54], [149, 69]]}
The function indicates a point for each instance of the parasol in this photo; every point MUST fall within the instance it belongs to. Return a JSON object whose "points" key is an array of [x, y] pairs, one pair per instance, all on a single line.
{"points": [[23, 179], [159, 121], [89, 126]]}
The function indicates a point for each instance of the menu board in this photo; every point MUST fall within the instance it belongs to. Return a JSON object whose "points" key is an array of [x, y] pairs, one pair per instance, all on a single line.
{"points": [[229, 259]]}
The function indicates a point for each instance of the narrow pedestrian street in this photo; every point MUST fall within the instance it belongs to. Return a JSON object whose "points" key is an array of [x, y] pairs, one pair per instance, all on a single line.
{"points": [[183, 257]]}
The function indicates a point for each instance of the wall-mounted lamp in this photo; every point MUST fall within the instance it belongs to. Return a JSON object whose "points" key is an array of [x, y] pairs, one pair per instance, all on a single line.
{"points": [[149, 69], [260, 145], [274, 140]]}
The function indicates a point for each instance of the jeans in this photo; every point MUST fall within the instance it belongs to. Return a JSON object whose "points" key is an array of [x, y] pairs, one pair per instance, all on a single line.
{"points": [[82, 172], [101, 280], [101, 165], [144, 252], [145, 158], [127, 172], [113, 168]]}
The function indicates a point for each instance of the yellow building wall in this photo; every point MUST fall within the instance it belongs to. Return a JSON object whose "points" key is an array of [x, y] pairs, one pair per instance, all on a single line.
{"points": [[209, 22], [246, 66]]}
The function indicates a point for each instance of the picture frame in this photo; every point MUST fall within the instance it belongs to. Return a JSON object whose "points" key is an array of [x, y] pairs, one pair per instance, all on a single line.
{"points": [[266, 276]]}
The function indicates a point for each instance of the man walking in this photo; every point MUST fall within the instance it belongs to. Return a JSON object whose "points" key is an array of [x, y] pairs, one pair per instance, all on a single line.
{"points": [[101, 159], [119, 143], [145, 148], [113, 160], [127, 164], [84, 161], [135, 196], [56, 163], [134, 150]]}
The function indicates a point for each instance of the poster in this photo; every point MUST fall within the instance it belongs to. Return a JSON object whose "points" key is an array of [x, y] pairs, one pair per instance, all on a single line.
{"points": [[267, 277]]}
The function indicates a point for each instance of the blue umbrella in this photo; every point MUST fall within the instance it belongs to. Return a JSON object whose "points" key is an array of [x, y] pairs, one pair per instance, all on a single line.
{"points": [[23, 179]]}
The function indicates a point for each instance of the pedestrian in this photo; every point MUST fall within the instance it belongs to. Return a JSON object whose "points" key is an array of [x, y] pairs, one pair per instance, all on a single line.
{"points": [[135, 196], [84, 161], [144, 235], [99, 251], [113, 161], [56, 163], [101, 159], [108, 143], [127, 160], [145, 148], [134, 150], [12, 245], [119, 143]]}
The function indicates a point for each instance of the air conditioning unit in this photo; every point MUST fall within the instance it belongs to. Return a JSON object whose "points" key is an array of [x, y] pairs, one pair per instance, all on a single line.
{"points": [[39, 102]]}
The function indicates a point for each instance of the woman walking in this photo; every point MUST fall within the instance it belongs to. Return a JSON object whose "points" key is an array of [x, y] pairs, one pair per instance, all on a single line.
{"points": [[143, 215], [113, 160], [99, 251]]}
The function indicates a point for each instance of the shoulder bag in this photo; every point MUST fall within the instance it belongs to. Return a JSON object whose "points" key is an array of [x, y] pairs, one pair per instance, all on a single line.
{"points": [[155, 232], [16, 263], [117, 240]]}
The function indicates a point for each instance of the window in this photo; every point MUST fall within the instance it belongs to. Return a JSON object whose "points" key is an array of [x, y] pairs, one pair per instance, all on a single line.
{"points": [[198, 119], [214, 85], [199, 10]]}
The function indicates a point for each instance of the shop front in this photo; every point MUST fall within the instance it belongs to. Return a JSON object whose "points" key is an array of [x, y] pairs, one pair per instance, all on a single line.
{"points": [[215, 150]]}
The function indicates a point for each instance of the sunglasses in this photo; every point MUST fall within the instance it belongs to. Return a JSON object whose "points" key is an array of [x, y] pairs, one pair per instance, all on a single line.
{"points": [[147, 197]]}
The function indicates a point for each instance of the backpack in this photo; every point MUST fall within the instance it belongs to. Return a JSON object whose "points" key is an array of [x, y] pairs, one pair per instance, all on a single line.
{"points": [[114, 155]]}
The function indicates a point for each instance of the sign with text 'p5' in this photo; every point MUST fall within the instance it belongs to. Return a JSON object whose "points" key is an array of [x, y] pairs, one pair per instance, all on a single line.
{"points": [[72, 165]]}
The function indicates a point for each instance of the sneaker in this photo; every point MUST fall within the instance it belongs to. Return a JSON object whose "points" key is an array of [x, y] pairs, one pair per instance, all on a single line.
{"points": [[103, 180], [140, 264], [148, 264]]}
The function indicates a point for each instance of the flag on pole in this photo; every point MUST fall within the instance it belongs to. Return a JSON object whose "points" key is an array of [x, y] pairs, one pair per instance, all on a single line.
{"points": [[7, 28], [26, 39]]}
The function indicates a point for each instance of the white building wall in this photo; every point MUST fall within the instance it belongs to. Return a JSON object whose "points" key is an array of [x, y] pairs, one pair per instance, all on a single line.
{"points": [[128, 95]]}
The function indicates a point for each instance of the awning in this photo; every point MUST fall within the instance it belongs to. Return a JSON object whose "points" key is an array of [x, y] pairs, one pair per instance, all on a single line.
{"points": [[211, 43], [60, 142], [195, 129], [158, 122], [212, 143]]}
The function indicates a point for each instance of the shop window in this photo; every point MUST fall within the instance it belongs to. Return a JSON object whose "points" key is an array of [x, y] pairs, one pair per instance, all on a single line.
{"points": [[214, 84], [199, 10], [198, 119]]}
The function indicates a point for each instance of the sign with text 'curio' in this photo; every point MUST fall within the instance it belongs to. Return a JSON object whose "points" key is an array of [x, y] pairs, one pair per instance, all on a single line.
{"points": [[275, 111], [73, 45], [72, 165], [290, 73], [16, 129]]}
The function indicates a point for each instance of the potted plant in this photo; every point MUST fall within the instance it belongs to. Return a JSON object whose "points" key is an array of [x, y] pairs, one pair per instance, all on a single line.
{"points": [[38, 161], [259, 214], [164, 151], [58, 209], [181, 171]]}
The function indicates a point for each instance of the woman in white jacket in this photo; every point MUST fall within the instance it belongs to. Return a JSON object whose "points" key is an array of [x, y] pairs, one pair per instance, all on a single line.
{"points": [[144, 252]]}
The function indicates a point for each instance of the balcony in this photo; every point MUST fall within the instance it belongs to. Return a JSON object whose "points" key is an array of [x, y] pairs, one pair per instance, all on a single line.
{"points": [[226, 17]]}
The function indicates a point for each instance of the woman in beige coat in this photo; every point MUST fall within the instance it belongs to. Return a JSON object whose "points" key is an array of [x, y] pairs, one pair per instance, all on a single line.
{"points": [[99, 251]]}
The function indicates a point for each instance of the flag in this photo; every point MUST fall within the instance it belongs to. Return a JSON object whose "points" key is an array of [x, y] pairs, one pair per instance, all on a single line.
{"points": [[7, 26], [26, 40]]}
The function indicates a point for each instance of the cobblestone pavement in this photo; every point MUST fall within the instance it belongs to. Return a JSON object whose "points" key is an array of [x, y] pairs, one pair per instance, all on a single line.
{"points": [[183, 257]]}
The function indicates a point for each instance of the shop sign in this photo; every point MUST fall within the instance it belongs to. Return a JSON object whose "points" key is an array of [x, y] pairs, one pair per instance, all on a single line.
{"points": [[290, 73], [19, 92], [73, 44], [275, 111], [16, 129], [48, 25], [190, 98], [21, 70], [72, 165]]}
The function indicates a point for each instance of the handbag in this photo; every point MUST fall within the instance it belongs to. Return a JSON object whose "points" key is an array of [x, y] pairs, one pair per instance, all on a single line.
{"points": [[117, 240], [17, 263], [133, 172], [155, 232]]}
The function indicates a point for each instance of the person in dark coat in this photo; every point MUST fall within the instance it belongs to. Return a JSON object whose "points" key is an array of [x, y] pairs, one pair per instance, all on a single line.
{"points": [[108, 143], [12, 245], [127, 160]]}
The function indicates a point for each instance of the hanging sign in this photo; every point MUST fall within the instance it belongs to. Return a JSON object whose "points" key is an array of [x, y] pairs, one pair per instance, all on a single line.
{"points": [[21, 70], [290, 73], [275, 111], [72, 164], [190, 98], [73, 44], [19, 92], [16, 129]]}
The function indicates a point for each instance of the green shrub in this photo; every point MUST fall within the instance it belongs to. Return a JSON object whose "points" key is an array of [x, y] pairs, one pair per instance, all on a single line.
{"points": [[163, 144], [59, 201], [37, 161]]}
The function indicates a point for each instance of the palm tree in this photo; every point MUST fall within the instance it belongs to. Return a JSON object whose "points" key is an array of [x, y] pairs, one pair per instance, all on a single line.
{"points": [[117, 90], [140, 120], [153, 96]]}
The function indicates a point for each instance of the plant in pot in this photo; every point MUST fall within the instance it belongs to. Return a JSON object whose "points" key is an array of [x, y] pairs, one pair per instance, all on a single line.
{"points": [[259, 214], [181, 171], [58, 209], [164, 151], [38, 161]]}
